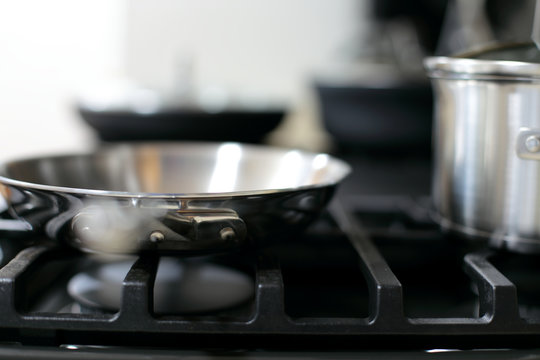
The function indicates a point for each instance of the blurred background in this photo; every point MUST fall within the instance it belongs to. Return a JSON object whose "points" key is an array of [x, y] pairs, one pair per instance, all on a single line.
{"points": [[314, 74]]}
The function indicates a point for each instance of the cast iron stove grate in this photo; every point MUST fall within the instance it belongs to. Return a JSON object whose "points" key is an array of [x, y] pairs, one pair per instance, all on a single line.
{"points": [[398, 251]]}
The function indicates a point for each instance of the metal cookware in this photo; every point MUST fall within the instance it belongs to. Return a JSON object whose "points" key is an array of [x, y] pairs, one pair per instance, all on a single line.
{"points": [[486, 180], [169, 197]]}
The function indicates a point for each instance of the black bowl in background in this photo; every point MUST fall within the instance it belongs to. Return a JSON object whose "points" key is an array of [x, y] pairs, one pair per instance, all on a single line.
{"points": [[393, 118], [249, 126]]}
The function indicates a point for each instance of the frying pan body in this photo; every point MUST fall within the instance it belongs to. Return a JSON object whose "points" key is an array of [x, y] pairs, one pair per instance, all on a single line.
{"points": [[170, 197]]}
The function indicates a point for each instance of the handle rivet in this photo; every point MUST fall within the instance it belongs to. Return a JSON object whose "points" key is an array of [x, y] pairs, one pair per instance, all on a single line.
{"points": [[227, 234], [156, 236], [532, 143]]}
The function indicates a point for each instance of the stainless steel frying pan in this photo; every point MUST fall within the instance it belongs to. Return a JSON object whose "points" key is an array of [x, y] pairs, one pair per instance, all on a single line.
{"points": [[178, 197]]}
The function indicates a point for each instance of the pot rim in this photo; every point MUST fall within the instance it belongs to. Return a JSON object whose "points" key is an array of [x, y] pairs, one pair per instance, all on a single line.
{"points": [[465, 66]]}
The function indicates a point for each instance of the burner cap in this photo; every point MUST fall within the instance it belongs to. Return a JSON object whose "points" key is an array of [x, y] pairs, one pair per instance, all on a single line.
{"points": [[180, 287]]}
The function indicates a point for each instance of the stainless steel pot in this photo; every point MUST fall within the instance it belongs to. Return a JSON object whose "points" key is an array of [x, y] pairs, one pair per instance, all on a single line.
{"points": [[486, 180], [183, 197]]}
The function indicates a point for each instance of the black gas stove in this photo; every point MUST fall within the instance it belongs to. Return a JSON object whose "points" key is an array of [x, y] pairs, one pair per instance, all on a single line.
{"points": [[373, 277]]}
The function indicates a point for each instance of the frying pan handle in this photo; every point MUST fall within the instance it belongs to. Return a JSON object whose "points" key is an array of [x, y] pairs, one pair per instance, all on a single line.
{"points": [[17, 226], [8, 225], [130, 230], [208, 227]]}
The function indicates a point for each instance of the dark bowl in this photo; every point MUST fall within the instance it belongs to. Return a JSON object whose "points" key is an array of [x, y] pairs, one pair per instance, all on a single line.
{"points": [[239, 125], [385, 118]]}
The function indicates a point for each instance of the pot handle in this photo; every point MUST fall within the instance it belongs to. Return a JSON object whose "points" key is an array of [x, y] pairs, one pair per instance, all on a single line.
{"points": [[528, 144]]}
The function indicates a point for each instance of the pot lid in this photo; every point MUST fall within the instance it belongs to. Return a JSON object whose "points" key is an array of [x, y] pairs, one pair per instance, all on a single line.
{"points": [[517, 61]]}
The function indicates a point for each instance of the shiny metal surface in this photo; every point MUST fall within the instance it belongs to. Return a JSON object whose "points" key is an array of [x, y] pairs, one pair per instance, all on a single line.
{"points": [[181, 197], [487, 173], [513, 62], [463, 68]]}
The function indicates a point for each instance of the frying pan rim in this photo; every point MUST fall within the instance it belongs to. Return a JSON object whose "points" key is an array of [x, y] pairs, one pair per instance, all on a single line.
{"points": [[345, 170]]}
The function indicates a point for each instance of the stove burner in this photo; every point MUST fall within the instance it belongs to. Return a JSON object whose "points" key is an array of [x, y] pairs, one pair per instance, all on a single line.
{"points": [[180, 287], [297, 292]]}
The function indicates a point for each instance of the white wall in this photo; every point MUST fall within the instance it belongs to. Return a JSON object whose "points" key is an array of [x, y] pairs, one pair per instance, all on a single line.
{"points": [[271, 49], [52, 50], [271, 46], [49, 50]]}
